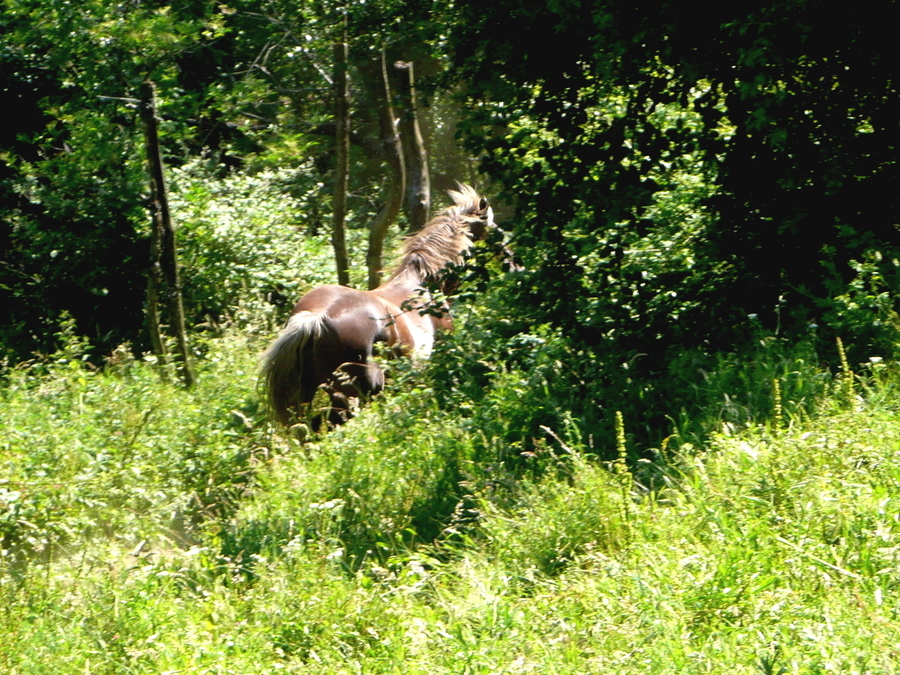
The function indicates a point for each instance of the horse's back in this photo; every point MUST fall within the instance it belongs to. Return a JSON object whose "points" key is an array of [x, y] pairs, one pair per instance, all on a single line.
{"points": [[355, 318], [331, 299]]}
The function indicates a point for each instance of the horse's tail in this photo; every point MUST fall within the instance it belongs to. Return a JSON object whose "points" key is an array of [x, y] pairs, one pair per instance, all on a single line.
{"points": [[286, 385]]}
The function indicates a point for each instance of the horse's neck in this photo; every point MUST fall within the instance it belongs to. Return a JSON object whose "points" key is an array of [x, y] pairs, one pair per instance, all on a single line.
{"points": [[406, 275], [407, 299], [406, 280]]}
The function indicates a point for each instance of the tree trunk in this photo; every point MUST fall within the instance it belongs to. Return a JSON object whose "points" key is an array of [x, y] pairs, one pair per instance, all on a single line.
{"points": [[154, 286], [341, 161], [163, 275], [379, 81], [418, 180]]}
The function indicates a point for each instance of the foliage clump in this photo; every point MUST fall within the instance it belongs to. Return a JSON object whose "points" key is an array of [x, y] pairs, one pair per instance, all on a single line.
{"points": [[118, 454], [177, 534]]}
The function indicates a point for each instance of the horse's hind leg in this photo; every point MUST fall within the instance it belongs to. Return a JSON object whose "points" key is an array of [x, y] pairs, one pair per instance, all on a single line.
{"points": [[340, 409], [352, 381]]}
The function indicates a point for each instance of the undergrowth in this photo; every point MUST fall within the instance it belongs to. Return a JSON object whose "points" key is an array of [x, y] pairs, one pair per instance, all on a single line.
{"points": [[147, 528], [120, 452]]}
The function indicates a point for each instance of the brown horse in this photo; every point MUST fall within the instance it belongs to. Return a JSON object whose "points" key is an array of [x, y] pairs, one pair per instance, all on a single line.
{"points": [[329, 339]]}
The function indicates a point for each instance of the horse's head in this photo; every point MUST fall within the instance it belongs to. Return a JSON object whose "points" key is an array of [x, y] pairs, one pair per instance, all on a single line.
{"points": [[479, 219], [446, 241], [482, 221], [473, 210]]}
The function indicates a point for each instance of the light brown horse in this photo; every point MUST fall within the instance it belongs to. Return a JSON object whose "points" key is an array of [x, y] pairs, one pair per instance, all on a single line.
{"points": [[329, 339]]}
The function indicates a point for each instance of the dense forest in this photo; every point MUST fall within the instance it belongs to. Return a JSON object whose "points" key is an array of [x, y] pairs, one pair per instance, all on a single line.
{"points": [[671, 419]]}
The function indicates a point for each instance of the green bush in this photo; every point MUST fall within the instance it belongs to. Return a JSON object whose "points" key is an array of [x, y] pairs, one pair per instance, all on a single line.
{"points": [[121, 452], [248, 244], [550, 523], [513, 380], [393, 478]]}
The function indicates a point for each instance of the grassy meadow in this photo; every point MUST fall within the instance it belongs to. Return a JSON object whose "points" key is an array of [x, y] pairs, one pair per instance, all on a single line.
{"points": [[455, 526], [663, 438], [150, 529]]}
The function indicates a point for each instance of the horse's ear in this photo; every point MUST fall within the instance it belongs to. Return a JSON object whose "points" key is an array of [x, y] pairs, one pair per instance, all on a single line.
{"points": [[483, 205]]}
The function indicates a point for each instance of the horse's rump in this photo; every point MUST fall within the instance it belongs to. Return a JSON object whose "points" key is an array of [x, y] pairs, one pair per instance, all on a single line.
{"points": [[287, 378]]}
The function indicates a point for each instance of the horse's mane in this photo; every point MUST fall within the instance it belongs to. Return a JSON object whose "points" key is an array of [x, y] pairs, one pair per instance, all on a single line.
{"points": [[445, 239]]}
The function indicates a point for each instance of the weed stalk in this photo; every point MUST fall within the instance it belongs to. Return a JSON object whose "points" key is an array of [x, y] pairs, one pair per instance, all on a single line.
{"points": [[777, 407], [620, 469], [846, 377]]}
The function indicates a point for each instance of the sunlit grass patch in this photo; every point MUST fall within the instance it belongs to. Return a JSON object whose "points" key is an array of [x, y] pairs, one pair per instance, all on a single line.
{"points": [[152, 529]]}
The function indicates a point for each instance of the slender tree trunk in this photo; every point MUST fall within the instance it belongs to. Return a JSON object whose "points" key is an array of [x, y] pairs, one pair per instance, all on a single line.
{"points": [[380, 83], [341, 161], [415, 157], [154, 286], [163, 276]]}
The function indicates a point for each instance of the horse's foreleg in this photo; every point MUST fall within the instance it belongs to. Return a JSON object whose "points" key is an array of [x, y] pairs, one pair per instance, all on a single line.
{"points": [[374, 379]]}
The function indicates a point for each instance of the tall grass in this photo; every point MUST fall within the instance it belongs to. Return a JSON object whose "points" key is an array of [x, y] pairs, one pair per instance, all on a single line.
{"points": [[150, 529], [121, 453], [393, 478]]}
